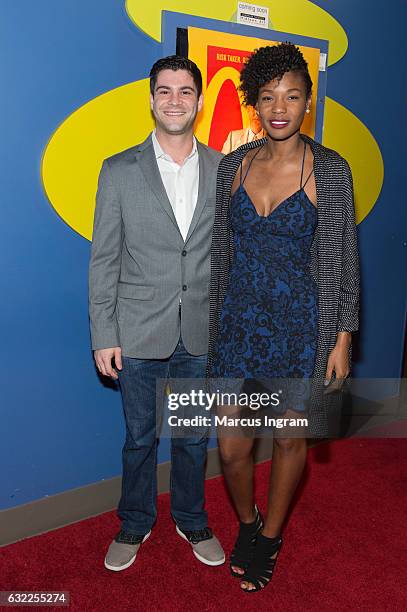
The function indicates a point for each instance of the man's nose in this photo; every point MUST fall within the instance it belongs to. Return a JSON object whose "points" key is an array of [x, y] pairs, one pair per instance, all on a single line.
{"points": [[175, 98]]}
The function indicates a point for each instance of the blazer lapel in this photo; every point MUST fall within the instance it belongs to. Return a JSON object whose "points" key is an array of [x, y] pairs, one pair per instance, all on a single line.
{"points": [[148, 164], [204, 177]]}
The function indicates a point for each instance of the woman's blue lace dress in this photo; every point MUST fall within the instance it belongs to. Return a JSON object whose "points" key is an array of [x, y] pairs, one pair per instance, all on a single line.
{"points": [[268, 323]]}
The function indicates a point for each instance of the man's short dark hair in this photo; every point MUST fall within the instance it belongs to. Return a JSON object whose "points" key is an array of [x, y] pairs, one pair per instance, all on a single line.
{"points": [[176, 62]]}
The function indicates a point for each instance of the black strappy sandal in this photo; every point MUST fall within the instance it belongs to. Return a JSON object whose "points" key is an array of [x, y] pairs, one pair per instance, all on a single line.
{"points": [[260, 570], [243, 550]]}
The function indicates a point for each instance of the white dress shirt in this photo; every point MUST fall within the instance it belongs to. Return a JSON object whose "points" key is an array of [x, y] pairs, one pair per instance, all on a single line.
{"points": [[180, 182]]}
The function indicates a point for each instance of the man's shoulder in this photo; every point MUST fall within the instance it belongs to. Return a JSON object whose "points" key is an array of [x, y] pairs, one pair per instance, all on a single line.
{"points": [[212, 154], [122, 157], [128, 155]]}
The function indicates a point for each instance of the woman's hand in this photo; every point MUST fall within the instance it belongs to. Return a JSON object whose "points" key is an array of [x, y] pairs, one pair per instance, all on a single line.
{"points": [[338, 362]]}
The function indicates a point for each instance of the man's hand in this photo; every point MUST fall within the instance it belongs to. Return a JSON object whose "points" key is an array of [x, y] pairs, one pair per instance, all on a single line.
{"points": [[103, 359]]}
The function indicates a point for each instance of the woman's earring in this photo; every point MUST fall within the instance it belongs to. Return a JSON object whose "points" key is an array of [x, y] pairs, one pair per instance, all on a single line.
{"points": [[307, 110]]}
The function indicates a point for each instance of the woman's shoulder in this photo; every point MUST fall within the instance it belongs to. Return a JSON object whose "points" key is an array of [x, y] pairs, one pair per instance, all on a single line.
{"points": [[233, 159], [326, 156]]}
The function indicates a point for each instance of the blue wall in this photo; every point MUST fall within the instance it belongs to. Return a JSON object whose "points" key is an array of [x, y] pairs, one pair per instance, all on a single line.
{"points": [[61, 427]]}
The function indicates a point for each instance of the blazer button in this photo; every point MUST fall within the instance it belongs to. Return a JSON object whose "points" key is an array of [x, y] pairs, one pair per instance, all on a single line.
{"points": [[183, 253], [184, 287]]}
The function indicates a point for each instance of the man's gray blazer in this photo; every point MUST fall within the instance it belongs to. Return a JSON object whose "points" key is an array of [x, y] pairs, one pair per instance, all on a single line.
{"points": [[140, 266]]}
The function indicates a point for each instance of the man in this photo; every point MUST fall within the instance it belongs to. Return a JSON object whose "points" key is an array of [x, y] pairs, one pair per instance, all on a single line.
{"points": [[148, 280]]}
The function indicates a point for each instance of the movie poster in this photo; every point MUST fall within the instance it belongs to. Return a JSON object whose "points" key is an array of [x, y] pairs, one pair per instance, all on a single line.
{"points": [[224, 123]]}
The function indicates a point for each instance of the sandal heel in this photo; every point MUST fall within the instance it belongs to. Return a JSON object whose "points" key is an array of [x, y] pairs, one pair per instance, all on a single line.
{"points": [[260, 570], [243, 549]]}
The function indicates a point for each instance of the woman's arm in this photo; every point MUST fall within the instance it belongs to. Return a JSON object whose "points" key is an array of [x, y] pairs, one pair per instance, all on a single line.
{"points": [[348, 311]]}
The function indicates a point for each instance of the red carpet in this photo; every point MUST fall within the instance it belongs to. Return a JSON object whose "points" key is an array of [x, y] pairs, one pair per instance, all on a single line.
{"points": [[345, 547]]}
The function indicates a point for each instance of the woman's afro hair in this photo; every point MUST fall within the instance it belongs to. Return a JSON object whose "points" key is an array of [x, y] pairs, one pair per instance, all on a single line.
{"points": [[269, 63]]}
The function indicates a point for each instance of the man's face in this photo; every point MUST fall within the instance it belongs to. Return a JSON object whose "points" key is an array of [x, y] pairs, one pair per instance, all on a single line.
{"points": [[175, 102]]}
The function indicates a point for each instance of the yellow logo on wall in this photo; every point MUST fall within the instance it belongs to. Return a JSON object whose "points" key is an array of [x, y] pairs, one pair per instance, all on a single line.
{"points": [[121, 118]]}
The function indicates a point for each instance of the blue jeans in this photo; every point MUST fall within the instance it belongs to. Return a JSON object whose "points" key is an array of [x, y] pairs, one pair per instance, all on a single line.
{"points": [[138, 504]]}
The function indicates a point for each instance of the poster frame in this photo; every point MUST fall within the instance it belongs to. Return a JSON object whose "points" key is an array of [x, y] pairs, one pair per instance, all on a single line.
{"points": [[171, 21]]}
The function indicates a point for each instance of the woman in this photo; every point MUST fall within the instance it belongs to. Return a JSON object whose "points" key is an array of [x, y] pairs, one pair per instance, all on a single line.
{"points": [[284, 287]]}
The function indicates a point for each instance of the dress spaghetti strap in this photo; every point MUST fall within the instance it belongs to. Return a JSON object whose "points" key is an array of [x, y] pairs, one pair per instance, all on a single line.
{"points": [[309, 176], [302, 169], [248, 168]]}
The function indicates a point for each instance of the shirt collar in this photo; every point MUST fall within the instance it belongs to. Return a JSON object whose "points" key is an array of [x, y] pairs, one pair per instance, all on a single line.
{"points": [[160, 154]]}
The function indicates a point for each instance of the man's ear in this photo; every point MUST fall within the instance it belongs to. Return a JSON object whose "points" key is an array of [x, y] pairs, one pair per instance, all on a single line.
{"points": [[200, 102], [151, 101]]}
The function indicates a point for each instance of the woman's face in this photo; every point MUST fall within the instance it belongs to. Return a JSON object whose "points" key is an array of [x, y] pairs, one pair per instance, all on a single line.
{"points": [[281, 105]]}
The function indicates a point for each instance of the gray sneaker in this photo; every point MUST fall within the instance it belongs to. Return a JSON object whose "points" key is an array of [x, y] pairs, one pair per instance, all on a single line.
{"points": [[123, 551], [205, 546]]}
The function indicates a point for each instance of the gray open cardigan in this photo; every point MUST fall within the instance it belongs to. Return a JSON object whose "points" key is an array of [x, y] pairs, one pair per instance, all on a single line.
{"points": [[334, 258]]}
